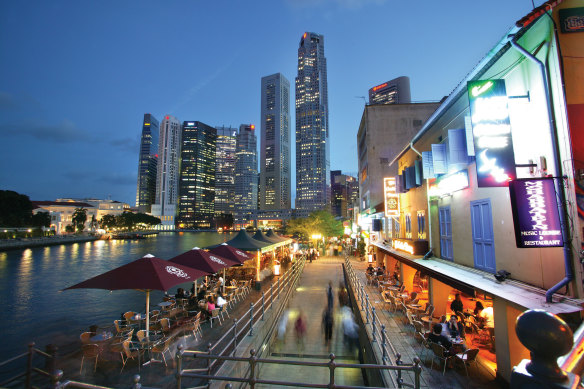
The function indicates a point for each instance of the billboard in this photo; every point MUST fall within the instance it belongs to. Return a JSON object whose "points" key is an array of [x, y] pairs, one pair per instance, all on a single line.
{"points": [[535, 213], [491, 129], [391, 197]]}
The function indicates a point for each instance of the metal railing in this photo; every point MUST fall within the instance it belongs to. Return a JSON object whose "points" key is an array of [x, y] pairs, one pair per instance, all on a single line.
{"points": [[31, 370], [252, 380], [378, 331]]}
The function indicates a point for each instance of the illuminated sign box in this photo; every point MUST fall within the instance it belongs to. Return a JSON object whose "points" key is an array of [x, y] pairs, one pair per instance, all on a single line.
{"points": [[491, 129], [391, 197], [418, 247], [448, 184], [535, 213]]}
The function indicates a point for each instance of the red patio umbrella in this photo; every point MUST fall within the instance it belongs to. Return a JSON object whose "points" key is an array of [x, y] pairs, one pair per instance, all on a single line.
{"points": [[230, 252], [203, 260], [147, 273]]}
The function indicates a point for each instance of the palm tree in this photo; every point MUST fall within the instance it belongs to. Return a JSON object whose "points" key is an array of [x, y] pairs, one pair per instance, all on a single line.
{"points": [[79, 218]]}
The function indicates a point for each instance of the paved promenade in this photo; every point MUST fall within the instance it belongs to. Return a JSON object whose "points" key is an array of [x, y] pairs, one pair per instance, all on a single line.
{"points": [[310, 300]]}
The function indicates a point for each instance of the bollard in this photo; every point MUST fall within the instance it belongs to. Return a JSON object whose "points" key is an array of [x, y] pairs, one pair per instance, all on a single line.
{"points": [[361, 297], [383, 343], [398, 362], [263, 309], [250, 319], [417, 371], [179, 355], [137, 384], [51, 363], [252, 365], [56, 379], [374, 325], [28, 381], [209, 365], [234, 335]]}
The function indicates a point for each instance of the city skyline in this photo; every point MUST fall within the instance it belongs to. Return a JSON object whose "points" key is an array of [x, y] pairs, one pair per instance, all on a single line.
{"points": [[65, 67]]}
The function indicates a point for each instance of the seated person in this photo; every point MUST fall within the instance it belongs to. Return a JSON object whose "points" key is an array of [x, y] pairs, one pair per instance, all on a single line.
{"points": [[486, 317], [220, 300], [210, 304], [370, 269], [456, 305], [180, 294], [455, 327], [478, 308], [437, 337], [444, 326], [201, 293], [380, 271]]}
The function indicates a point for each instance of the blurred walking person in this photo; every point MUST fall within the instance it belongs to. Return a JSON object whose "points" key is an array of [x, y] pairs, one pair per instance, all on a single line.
{"points": [[327, 324], [300, 331]]}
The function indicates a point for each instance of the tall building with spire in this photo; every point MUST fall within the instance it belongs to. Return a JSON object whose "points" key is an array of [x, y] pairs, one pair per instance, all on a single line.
{"points": [[169, 147], [147, 164], [312, 127], [275, 143], [196, 204]]}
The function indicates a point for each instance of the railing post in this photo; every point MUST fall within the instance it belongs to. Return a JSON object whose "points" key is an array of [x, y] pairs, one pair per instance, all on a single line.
{"points": [[56, 379], [234, 335], [374, 324], [179, 356], [137, 384], [332, 366], [383, 344], [279, 288], [367, 309], [417, 372], [28, 382], [272, 294], [263, 309], [362, 306], [51, 363], [209, 365], [252, 366], [398, 362], [250, 319]]}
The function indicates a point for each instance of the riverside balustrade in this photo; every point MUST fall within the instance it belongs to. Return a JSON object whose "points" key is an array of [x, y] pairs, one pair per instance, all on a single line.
{"points": [[30, 371]]}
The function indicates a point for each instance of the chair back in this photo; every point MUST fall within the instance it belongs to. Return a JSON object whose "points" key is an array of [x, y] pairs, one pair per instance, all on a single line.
{"points": [[471, 354], [418, 325], [402, 288], [431, 310], [165, 324], [129, 315], [126, 348], [141, 335], [85, 337], [215, 312], [90, 350], [413, 296], [438, 349]]}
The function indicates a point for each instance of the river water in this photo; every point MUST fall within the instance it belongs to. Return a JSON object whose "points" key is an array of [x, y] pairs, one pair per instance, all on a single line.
{"points": [[31, 280]]}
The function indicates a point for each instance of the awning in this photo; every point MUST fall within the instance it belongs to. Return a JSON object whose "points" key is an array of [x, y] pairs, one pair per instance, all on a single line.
{"points": [[470, 280]]}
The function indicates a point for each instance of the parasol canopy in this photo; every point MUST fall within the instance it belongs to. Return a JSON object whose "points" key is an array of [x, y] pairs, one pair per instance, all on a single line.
{"points": [[230, 252], [203, 260], [242, 241]]}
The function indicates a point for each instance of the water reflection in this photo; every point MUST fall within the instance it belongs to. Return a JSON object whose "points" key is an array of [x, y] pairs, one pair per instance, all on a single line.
{"points": [[31, 281]]}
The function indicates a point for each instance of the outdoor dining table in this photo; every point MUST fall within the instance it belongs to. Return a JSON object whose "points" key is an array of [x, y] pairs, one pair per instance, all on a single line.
{"points": [[165, 304], [101, 337]]}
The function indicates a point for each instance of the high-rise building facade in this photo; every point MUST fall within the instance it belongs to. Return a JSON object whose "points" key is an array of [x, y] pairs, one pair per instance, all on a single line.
{"points": [[312, 128], [196, 204], [147, 164], [169, 145], [275, 143], [344, 191], [246, 173], [396, 91], [225, 170]]}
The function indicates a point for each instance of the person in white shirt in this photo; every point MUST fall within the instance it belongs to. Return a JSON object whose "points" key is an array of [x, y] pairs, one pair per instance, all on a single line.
{"points": [[220, 300]]}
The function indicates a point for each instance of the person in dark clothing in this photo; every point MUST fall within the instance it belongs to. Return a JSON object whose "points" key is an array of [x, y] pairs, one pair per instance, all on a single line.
{"points": [[456, 305], [201, 294], [327, 323], [436, 337], [455, 327], [329, 295]]}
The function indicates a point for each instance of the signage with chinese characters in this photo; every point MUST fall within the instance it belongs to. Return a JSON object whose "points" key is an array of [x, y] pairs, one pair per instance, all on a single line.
{"points": [[572, 19], [491, 129], [391, 197], [535, 213]]}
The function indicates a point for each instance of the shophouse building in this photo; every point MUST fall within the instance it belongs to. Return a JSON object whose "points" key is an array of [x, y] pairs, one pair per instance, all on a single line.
{"points": [[487, 183]]}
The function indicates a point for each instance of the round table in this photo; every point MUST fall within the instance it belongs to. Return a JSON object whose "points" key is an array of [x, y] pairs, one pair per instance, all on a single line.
{"points": [[165, 304], [101, 337]]}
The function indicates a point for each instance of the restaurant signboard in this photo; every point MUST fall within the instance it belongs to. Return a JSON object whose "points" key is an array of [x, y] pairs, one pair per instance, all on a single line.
{"points": [[491, 129], [535, 213], [391, 197]]}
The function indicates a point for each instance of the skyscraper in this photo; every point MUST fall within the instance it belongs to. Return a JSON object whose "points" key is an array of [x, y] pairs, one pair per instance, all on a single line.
{"points": [[396, 91], [312, 131], [275, 143], [344, 191], [168, 172], [196, 204], [225, 170], [246, 174], [147, 161]]}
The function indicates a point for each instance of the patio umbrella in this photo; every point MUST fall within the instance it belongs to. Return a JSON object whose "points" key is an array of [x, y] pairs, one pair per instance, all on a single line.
{"points": [[272, 235], [147, 273], [203, 260], [230, 252], [242, 241]]}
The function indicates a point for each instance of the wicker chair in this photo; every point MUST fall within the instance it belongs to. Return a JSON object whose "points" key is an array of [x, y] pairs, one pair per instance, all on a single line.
{"points": [[161, 347], [89, 351], [214, 315], [441, 354], [468, 357], [85, 337]]}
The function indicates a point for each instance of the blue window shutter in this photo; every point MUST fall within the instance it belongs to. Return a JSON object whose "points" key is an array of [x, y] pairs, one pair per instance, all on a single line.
{"points": [[428, 164], [457, 147], [418, 172], [439, 159], [408, 177]]}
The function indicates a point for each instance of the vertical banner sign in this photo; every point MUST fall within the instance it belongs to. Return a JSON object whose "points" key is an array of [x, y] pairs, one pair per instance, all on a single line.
{"points": [[391, 197], [535, 213], [491, 132]]}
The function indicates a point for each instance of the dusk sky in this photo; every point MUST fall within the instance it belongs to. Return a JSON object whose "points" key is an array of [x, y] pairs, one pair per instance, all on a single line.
{"points": [[76, 77]]}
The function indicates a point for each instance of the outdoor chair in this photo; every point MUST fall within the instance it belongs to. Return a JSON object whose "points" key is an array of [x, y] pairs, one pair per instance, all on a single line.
{"points": [[118, 347], [121, 329], [388, 300], [230, 298], [480, 335], [419, 328], [468, 357], [161, 347], [214, 315], [189, 326], [426, 344], [223, 311], [89, 351], [131, 351], [128, 317], [441, 354], [165, 325], [85, 337]]}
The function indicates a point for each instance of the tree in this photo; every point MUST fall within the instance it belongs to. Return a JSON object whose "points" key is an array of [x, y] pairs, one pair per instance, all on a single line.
{"points": [[79, 218], [125, 220], [41, 219], [318, 222], [69, 228], [107, 221], [15, 209]]}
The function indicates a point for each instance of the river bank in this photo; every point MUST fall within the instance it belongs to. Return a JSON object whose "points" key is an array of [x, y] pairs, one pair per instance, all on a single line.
{"points": [[25, 243]]}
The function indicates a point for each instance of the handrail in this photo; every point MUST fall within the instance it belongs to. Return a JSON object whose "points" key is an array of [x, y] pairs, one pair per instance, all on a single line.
{"points": [[30, 369]]}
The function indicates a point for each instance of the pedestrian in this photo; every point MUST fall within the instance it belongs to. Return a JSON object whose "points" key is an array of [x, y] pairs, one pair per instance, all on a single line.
{"points": [[327, 324], [329, 295], [300, 330]]}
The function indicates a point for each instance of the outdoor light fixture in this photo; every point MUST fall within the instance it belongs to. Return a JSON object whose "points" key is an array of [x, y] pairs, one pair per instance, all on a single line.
{"points": [[502, 275]]}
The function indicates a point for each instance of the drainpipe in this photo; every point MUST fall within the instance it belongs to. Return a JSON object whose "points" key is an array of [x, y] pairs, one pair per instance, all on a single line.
{"points": [[428, 202], [559, 179]]}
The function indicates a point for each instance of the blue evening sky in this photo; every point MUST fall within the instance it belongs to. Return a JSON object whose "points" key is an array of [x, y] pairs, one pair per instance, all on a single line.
{"points": [[76, 77]]}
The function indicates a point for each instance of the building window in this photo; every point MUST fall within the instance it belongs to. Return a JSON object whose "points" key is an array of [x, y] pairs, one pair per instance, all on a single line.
{"points": [[421, 225], [408, 226]]}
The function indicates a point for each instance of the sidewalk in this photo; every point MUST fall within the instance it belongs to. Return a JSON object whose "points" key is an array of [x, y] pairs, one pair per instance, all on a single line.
{"points": [[310, 299]]}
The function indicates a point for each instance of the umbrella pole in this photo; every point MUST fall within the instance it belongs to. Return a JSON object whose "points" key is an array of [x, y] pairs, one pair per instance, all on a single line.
{"points": [[195, 282], [223, 286], [147, 313]]}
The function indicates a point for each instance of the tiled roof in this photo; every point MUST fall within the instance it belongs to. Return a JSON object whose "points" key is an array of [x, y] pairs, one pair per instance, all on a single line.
{"points": [[40, 204], [537, 12]]}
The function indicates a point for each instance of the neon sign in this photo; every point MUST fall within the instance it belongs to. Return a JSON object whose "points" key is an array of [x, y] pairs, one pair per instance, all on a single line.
{"points": [[391, 197], [376, 88], [403, 246], [535, 213], [491, 129], [450, 183]]}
